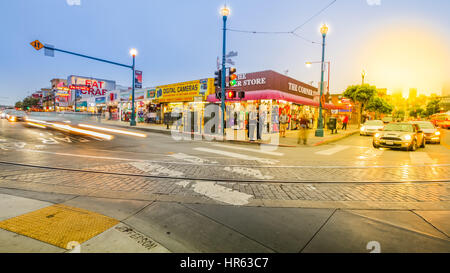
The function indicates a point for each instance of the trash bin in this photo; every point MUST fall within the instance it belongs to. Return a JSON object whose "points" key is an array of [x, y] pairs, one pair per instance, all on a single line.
{"points": [[332, 125]]}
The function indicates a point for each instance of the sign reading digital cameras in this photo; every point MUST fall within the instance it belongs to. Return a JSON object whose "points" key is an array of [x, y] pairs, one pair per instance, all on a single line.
{"points": [[90, 87], [179, 92]]}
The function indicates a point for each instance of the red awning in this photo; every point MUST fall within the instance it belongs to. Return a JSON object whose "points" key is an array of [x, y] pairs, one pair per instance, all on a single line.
{"points": [[275, 95]]}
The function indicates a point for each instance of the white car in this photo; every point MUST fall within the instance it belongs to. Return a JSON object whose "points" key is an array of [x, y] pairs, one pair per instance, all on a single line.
{"points": [[4, 113], [371, 127]]}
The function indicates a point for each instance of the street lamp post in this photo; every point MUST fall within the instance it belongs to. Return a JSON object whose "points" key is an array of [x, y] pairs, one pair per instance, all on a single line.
{"points": [[308, 64], [319, 131], [225, 12], [363, 75], [133, 53]]}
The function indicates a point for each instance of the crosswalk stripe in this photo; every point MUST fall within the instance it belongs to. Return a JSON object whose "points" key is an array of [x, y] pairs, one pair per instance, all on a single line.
{"points": [[420, 158], [236, 155], [371, 153], [334, 150], [248, 149]]}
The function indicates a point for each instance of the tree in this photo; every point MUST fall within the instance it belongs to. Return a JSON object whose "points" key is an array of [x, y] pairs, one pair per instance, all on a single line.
{"points": [[30, 102], [433, 107], [399, 115], [417, 112], [361, 94], [379, 106], [19, 104]]}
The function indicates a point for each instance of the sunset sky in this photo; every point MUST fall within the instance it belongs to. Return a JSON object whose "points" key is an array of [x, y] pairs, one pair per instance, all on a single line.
{"points": [[399, 43]]}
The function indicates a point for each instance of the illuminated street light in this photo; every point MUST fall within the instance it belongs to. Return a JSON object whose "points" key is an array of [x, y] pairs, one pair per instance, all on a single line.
{"points": [[225, 11], [324, 29], [133, 52]]}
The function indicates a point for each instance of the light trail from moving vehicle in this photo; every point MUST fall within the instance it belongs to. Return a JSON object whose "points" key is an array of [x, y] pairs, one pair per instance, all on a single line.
{"points": [[82, 131], [113, 130], [36, 125]]}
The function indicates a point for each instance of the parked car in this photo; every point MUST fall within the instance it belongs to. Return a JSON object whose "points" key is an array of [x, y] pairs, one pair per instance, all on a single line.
{"points": [[371, 127], [14, 116], [387, 119], [402, 135], [432, 134]]}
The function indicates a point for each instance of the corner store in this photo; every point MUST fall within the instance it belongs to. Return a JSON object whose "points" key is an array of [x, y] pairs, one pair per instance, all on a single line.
{"points": [[270, 93]]}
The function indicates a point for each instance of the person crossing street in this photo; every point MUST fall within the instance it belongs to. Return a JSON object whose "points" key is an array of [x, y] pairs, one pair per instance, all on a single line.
{"points": [[303, 133]]}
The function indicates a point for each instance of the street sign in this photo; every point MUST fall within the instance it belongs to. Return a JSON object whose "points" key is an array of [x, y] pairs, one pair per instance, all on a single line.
{"points": [[49, 51], [230, 61], [232, 54], [37, 45]]}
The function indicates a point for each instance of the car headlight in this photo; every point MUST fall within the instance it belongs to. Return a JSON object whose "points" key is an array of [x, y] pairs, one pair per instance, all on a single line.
{"points": [[437, 133], [407, 137], [377, 135]]}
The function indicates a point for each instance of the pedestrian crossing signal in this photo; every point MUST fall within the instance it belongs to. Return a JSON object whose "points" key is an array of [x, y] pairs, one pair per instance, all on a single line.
{"points": [[231, 94], [37, 45]]}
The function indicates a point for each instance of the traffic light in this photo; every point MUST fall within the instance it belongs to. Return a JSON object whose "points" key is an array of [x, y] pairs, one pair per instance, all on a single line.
{"points": [[241, 94], [231, 94], [232, 76], [218, 94], [218, 78]]}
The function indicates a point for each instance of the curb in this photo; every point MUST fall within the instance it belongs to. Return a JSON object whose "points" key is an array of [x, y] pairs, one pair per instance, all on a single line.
{"points": [[169, 132], [335, 138]]}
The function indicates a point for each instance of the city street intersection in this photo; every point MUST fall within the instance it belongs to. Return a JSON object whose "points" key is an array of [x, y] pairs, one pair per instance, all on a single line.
{"points": [[211, 196]]}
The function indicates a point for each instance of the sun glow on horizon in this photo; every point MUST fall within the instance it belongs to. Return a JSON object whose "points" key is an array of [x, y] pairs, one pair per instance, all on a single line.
{"points": [[404, 57]]}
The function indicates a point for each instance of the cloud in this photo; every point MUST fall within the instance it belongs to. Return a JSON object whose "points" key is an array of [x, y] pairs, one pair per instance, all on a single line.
{"points": [[374, 2], [73, 2]]}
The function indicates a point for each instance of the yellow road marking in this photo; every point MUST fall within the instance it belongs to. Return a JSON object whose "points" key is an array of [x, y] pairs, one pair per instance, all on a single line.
{"points": [[59, 224]]}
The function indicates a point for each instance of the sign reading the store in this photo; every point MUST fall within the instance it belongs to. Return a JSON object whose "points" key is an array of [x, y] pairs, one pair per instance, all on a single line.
{"points": [[271, 80]]}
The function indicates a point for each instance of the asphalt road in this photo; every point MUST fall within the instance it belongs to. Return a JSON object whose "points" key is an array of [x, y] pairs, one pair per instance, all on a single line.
{"points": [[352, 151], [184, 193]]}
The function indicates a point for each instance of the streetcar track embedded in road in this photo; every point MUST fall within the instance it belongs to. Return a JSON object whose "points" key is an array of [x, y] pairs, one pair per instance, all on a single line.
{"points": [[240, 165], [203, 179]]}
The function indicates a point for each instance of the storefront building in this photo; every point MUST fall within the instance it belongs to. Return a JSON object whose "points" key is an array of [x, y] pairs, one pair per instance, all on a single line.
{"points": [[89, 94], [270, 94], [157, 105]]}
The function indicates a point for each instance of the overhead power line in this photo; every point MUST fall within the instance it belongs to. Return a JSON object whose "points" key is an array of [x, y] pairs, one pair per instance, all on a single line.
{"points": [[315, 15], [292, 32]]}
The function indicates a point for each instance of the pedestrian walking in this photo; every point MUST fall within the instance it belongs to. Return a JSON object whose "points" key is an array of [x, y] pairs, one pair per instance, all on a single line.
{"points": [[303, 133], [253, 124], [283, 123], [344, 123]]}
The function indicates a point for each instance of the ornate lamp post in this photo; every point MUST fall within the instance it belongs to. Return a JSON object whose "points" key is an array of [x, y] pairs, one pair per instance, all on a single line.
{"points": [[319, 131], [224, 12], [133, 52]]}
